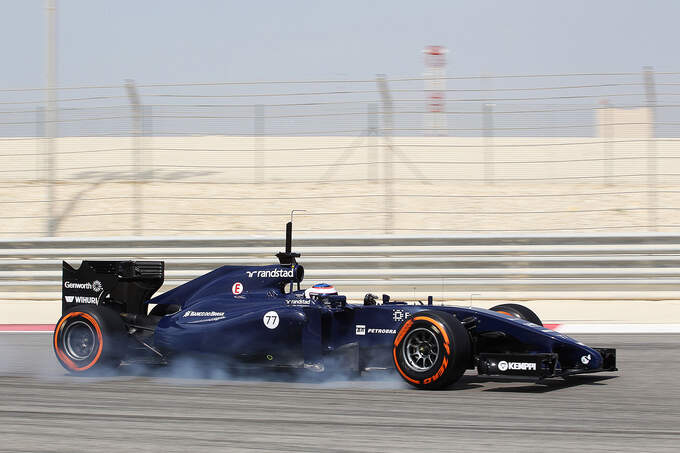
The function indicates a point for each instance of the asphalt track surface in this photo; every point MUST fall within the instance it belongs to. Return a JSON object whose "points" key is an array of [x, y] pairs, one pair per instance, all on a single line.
{"points": [[43, 409]]}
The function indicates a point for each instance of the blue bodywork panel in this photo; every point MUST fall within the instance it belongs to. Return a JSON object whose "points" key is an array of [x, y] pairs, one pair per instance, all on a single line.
{"points": [[253, 314]]}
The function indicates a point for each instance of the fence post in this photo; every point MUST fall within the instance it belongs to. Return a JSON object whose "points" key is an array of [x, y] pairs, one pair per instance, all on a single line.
{"points": [[372, 132], [258, 158], [147, 132], [136, 156], [650, 95], [388, 126], [487, 128]]}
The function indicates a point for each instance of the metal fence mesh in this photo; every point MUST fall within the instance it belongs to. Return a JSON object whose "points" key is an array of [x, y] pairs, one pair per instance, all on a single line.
{"points": [[525, 153]]}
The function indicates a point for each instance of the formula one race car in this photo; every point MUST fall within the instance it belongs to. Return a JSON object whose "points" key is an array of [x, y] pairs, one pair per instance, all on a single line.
{"points": [[259, 316]]}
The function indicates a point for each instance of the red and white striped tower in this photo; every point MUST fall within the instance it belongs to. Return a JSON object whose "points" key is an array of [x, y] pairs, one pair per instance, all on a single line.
{"points": [[435, 90]]}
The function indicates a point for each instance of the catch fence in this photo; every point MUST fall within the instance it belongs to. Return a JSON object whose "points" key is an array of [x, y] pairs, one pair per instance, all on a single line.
{"points": [[522, 153]]}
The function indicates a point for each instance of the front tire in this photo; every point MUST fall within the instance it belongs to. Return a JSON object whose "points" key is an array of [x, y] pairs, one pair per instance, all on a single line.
{"points": [[431, 350], [89, 339]]}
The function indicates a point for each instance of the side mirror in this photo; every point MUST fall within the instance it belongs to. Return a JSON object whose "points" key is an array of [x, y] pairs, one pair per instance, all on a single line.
{"points": [[370, 299]]}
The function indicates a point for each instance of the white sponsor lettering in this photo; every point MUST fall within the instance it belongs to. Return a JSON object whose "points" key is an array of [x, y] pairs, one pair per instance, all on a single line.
{"points": [[299, 302], [71, 285], [399, 315], [271, 273], [85, 300], [203, 313], [69, 299], [362, 330], [382, 331], [197, 321], [522, 366], [95, 286], [271, 320], [237, 288]]}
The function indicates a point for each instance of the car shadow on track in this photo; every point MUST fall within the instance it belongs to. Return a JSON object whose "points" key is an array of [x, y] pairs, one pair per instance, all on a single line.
{"points": [[544, 386], [214, 372]]}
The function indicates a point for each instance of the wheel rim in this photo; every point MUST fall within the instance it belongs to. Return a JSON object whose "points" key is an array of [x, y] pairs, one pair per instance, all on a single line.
{"points": [[421, 349], [79, 340]]}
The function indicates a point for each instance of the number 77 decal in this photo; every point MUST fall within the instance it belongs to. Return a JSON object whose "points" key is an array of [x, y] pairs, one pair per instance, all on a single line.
{"points": [[271, 320]]}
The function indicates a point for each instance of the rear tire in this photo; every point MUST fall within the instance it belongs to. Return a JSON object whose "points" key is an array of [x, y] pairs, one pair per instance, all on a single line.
{"points": [[90, 339], [431, 350], [518, 311]]}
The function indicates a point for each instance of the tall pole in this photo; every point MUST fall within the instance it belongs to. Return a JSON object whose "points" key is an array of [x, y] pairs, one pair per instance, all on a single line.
{"points": [[136, 156], [650, 94], [389, 150], [435, 90], [51, 114]]}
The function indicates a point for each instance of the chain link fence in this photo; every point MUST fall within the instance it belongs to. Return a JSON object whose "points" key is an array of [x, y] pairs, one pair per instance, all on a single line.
{"points": [[520, 153]]}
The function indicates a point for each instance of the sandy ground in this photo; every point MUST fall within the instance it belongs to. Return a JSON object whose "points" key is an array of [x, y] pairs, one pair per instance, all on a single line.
{"points": [[212, 185]]}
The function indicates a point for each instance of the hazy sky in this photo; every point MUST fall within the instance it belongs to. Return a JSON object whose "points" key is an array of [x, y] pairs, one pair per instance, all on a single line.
{"points": [[103, 42]]}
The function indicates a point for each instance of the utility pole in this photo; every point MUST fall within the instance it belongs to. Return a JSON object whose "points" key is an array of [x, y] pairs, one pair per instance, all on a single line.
{"points": [[51, 114], [136, 156]]}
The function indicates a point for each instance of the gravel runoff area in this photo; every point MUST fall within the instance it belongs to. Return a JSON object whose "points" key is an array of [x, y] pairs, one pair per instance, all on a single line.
{"points": [[635, 409]]}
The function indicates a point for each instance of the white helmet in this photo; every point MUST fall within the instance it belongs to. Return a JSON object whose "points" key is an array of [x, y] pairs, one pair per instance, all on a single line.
{"points": [[319, 290]]}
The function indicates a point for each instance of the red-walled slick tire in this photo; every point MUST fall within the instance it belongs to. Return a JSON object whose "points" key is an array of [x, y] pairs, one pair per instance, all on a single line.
{"points": [[89, 338], [431, 350]]}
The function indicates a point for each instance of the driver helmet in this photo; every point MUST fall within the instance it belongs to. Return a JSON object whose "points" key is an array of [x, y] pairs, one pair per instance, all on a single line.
{"points": [[320, 290]]}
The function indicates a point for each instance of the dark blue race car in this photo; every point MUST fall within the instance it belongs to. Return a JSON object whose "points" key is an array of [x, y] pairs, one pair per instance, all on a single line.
{"points": [[259, 316]]}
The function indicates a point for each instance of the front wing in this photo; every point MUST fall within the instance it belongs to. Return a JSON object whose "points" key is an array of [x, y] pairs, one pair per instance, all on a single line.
{"points": [[541, 366]]}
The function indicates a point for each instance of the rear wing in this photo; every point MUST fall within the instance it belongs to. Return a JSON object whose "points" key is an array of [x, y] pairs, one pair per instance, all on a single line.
{"points": [[124, 285]]}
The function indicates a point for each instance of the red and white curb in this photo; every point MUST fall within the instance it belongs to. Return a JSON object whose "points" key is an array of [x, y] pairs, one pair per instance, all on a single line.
{"points": [[26, 328], [568, 328], [571, 328]]}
